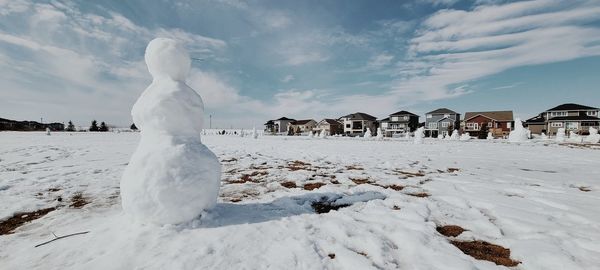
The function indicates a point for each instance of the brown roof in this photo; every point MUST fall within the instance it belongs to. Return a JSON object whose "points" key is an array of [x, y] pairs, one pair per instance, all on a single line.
{"points": [[301, 122], [494, 115], [331, 121]]}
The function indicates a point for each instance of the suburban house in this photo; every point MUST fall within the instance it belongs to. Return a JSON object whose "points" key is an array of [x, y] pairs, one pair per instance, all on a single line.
{"points": [[330, 126], [536, 124], [357, 123], [441, 122], [399, 123], [302, 126], [278, 126], [572, 117], [500, 123]]}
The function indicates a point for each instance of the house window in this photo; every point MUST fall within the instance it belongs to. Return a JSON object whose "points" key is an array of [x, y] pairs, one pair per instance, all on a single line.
{"points": [[445, 124], [347, 125], [470, 125], [490, 124], [394, 118], [589, 124], [572, 125], [556, 124], [556, 114], [433, 125], [404, 117], [429, 116], [592, 113]]}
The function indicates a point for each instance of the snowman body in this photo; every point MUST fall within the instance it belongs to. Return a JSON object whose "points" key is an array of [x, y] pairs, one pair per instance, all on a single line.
{"points": [[172, 177]]}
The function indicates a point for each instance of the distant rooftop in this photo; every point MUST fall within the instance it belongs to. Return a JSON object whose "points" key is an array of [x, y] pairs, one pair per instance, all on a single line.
{"points": [[442, 111], [572, 107], [495, 115], [360, 116]]}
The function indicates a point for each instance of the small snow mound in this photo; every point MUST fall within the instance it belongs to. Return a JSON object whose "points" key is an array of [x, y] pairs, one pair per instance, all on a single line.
{"points": [[560, 135], [254, 133], [519, 134], [323, 134], [48, 131], [379, 134], [465, 136], [455, 136], [368, 133], [574, 137], [490, 136], [544, 136], [594, 137], [419, 134]]}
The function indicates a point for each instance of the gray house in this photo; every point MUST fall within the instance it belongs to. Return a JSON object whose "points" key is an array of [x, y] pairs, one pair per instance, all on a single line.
{"points": [[441, 121], [278, 126], [399, 123]]}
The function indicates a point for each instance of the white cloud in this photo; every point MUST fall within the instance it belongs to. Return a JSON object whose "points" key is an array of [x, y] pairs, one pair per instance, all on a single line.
{"points": [[214, 91], [456, 46], [380, 60], [288, 78]]}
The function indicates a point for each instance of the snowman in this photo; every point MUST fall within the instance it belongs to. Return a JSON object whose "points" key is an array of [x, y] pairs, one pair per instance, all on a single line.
{"points": [[171, 177]]}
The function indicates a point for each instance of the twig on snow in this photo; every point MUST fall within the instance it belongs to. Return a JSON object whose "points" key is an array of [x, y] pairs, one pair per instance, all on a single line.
{"points": [[61, 237]]}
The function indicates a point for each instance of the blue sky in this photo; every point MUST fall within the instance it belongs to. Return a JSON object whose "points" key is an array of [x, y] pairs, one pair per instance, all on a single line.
{"points": [[259, 60]]}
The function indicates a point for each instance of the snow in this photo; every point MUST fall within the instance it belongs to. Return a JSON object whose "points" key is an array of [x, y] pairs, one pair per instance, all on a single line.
{"points": [[323, 134], [464, 137], [526, 197], [490, 136], [519, 133], [593, 137], [419, 134], [455, 136], [379, 134], [172, 177], [254, 133], [574, 138], [560, 135], [368, 133]]}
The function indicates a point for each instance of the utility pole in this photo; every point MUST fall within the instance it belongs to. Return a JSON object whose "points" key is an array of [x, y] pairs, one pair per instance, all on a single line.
{"points": [[210, 121]]}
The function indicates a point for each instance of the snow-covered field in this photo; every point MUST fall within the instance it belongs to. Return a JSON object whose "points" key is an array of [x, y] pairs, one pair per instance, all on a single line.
{"points": [[540, 200]]}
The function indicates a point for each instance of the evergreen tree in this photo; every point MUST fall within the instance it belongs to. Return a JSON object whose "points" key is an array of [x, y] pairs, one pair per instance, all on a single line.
{"points": [[133, 127], [483, 131], [70, 126], [103, 127], [94, 126]]}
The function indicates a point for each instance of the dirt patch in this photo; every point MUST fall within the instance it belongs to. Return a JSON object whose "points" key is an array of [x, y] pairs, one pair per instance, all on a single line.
{"points": [[395, 187], [585, 189], [18, 219], [248, 177], [289, 184], [354, 168], [324, 206], [482, 250], [335, 182], [360, 181], [311, 186], [78, 201], [450, 230], [331, 255], [297, 165], [396, 207], [235, 200], [54, 189], [229, 160], [451, 170], [419, 195]]}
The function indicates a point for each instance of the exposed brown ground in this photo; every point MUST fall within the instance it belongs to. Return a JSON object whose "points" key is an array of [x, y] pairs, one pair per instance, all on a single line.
{"points": [[450, 230], [482, 250], [420, 194], [289, 184], [311, 186], [18, 219], [298, 165], [78, 201], [322, 207]]}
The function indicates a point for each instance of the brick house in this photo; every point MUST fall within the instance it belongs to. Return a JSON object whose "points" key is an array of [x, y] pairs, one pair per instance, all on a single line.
{"points": [[500, 123], [302, 126]]}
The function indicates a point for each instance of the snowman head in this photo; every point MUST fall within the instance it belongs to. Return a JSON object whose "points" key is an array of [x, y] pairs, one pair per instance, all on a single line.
{"points": [[166, 58]]}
